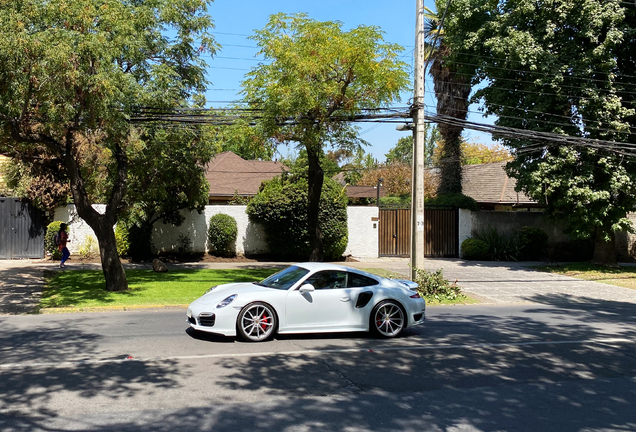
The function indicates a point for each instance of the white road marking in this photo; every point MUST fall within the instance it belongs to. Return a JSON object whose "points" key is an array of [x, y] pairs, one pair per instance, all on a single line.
{"points": [[316, 351]]}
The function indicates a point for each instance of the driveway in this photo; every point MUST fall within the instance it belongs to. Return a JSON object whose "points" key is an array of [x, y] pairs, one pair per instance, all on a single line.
{"points": [[511, 282], [21, 281]]}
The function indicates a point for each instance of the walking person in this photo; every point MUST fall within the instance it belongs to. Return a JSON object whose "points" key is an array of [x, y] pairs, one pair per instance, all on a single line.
{"points": [[63, 239]]}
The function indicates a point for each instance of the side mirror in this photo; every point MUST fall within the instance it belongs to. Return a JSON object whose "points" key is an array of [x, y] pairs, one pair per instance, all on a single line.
{"points": [[306, 288]]}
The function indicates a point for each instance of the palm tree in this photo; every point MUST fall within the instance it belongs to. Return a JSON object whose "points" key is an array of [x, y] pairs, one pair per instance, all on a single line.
{"points": [[452, 90]]}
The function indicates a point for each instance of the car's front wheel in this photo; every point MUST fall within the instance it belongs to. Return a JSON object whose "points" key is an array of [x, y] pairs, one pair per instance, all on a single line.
{"points": [[256, 322], [388, 319]]}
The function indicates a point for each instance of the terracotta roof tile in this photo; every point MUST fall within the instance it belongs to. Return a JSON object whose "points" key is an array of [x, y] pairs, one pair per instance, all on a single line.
{"points": [[489, 183], [229, 173]]}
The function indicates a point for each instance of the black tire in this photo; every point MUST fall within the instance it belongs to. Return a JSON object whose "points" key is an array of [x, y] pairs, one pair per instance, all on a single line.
{"points": [[387, 319], [256, 322]]}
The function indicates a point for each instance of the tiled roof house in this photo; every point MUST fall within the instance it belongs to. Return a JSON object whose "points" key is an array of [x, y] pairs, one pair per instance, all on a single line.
{"points": [[490, 186], [229, 174]]}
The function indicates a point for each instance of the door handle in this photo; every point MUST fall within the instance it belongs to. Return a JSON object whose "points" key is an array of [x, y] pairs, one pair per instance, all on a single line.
{"points": [[345, 299]]}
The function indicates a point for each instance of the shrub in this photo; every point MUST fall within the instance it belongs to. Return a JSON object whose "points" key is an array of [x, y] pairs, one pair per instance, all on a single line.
{"points": [[280, 208], [121, 238], [184, 244], [453, 200], [49, 240], [433, 285], [474, 249], [222, 235], [501, 247], [88, 248], [532, 242]]}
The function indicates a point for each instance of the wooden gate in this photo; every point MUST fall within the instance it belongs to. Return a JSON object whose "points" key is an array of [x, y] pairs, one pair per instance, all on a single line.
{"points": [[395, 232], [22, 228], [441, 235]]}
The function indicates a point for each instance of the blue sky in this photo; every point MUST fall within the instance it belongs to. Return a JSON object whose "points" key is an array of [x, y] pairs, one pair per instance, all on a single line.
{"points": [[235, 21]]}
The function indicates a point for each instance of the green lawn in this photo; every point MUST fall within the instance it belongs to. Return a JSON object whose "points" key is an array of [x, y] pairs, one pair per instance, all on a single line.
{"points": [[84, 289], [624, 276], [81, 289]]}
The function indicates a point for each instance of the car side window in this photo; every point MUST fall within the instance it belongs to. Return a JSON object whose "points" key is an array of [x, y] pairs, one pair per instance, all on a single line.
{"points": [[358, 281], [328, 279]]}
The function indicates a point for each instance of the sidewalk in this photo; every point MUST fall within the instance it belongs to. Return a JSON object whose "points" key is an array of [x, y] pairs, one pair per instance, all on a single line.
{"points": [[21, 281]]}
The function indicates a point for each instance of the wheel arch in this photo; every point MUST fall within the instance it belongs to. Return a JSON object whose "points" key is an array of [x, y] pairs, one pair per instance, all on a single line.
{"points": [[393, 299], [236, 323]]}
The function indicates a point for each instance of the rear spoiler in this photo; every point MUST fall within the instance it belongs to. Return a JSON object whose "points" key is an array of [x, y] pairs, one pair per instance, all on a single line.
{"points": [[409, 284]]}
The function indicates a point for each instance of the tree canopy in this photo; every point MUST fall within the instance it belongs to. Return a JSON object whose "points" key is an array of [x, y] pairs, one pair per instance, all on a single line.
{"points": [[73, 73], [566, 68], [315, 76]]}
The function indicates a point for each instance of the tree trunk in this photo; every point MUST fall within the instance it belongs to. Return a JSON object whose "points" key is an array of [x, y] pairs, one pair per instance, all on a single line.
{"points": [[111, 264], [604, 251], [315, 179], [102, 224], [450, 161]]}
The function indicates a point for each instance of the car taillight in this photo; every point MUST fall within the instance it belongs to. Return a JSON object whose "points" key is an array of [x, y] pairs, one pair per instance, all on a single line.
{"points": [[416, 295]]}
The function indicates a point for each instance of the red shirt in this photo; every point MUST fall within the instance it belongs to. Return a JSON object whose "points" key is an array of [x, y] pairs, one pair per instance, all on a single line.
{"points": [[63, 240]]}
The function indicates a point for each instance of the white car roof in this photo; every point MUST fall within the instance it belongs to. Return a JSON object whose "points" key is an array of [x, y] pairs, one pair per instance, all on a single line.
{"points": [[313, 266]]}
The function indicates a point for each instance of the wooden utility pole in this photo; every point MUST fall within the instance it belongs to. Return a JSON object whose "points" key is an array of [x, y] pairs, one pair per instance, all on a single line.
{"points": [[419, 133]]}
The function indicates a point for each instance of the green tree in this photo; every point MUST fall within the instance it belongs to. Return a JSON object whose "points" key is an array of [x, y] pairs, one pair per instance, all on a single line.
{"points": [[166, 174], [281, 208], [240, 137], [73, 71], [403, 150], [564, 67], [315, 76]]}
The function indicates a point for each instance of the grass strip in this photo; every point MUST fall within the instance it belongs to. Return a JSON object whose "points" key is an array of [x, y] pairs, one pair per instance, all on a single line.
{"points": [[623, 276], [85, 289]]}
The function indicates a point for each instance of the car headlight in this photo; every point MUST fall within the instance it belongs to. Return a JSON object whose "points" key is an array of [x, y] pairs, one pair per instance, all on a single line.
{"points": [[210, 289], [226, 301]]}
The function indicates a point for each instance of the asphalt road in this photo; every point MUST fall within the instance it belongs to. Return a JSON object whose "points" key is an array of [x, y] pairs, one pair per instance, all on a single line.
{"points": [[470, 368]]}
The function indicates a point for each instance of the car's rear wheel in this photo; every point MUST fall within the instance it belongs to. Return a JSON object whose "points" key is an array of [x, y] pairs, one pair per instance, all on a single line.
{"points": [[256, 322], [388, 319]]}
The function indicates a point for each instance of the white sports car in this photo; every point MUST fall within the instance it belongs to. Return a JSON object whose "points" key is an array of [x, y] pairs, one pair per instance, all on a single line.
{"points": [[309, 298]]}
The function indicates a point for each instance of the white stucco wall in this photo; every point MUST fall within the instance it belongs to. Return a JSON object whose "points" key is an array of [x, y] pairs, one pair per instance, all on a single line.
{"points": [[250, 237], [465, 227], [363, 230], [78, 229]]}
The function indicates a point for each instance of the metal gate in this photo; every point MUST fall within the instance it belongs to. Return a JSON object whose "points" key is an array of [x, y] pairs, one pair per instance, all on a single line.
{"points": [[22, 229], [441, 235]]}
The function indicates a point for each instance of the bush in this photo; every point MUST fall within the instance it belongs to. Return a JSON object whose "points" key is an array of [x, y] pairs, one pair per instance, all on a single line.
{"points": [[184, 244], [280, 208], [453, 200], [89, 248], [532, 242], [501, 247], [433, 285], [121, 238], [222, 235], [474, 249], [49, 240]]}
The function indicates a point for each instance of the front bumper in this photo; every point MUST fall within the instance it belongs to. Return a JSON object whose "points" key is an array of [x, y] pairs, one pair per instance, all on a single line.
{"points": [[223, 323]]}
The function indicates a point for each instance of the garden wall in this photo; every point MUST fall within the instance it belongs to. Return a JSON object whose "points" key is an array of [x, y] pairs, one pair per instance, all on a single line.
{"points": [[363, 232], [561, 246]]}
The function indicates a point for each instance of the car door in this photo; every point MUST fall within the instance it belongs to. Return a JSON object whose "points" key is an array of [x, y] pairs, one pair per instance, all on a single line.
{"points": [[327, 306]]}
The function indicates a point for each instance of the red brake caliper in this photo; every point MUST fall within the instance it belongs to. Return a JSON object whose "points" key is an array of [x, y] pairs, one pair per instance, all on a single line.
{"points": [[263, 322]]}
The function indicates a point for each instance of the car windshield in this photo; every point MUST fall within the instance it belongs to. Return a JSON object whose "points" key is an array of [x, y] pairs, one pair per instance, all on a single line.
{"points": [[284, 279]]}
